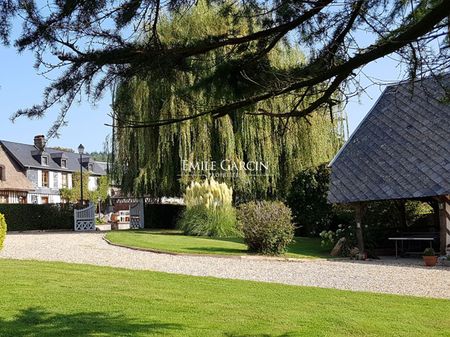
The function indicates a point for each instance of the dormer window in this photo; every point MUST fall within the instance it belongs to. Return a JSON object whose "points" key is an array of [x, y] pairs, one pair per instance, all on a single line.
{"points": [[44, 160], [91, 167], [64, 163]]}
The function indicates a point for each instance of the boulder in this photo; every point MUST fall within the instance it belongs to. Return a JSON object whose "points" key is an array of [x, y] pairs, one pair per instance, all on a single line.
{"points": [[337, 249]]}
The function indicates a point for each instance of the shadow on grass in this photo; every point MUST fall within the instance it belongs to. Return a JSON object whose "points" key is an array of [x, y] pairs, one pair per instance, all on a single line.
{"points": [[288, 334], [216, 250], [309, 247], [38, 322], [156, 231]]}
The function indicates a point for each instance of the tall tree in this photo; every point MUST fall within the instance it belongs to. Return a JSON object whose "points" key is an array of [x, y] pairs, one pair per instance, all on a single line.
{"points": [[95, 42], [157, 160]]}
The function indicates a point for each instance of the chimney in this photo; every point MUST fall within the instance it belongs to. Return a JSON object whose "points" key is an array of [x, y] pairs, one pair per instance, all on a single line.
{"points": [[39, 142]]}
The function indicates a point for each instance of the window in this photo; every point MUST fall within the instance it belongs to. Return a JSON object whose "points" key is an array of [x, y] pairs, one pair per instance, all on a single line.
{"points": [[44, 200], [64, 180], [3, 199], [64, 163], [91, 167], [2, 173], [44, 178], [44, 160]]}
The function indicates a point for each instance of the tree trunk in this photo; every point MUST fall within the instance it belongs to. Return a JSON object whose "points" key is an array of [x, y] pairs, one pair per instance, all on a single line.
{"points": [[402, 209], [359, 210], [444, 220]]}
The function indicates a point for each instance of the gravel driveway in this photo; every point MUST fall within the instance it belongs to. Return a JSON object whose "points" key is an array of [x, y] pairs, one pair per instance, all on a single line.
{"points": [[390, 276]]}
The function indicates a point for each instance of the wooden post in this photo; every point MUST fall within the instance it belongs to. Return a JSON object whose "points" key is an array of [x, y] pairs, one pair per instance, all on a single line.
{"points": [[444, 221], [434, 203], [359, 212], [402, 209]]}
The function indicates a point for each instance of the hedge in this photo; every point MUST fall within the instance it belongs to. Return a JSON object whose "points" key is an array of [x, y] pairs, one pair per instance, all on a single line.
{"points": [[21, 217], [162, 216]]}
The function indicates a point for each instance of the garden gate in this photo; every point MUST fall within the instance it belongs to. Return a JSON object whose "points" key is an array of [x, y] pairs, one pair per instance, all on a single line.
{"points": [[84, 219], [137, 215]]}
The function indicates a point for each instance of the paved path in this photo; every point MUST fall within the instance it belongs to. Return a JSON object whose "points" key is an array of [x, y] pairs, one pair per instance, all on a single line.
{"points": [[391, 276]]}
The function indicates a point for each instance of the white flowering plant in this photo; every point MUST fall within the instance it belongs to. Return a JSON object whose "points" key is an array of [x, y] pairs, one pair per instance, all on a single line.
{"points": [[210, 194], [330, 238], [209, 210]]}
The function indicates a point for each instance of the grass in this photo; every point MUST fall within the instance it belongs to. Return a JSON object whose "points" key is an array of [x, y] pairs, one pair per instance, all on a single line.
{"points": [[175, 242], [49, 299]]}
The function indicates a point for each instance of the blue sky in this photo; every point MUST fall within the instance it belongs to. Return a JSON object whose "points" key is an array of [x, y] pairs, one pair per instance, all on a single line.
{"points": [[21, 86]]}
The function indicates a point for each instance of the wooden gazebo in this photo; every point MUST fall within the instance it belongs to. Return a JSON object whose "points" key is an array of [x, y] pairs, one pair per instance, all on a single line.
{"points": [[400, 151]]}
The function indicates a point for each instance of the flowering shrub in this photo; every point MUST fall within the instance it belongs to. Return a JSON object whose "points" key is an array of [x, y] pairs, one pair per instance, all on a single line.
{"points": [[209, 210], [330, 238], [267, 226]]}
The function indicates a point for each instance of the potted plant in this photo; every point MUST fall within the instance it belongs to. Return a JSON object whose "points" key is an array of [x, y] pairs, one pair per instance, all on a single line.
{"points": [[429, 257]]}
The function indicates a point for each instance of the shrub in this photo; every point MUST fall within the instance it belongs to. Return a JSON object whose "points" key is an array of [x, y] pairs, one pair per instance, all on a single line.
{"points": [[2, 230], [209, 211], [307, 199], [329, 239], [267, 226]]}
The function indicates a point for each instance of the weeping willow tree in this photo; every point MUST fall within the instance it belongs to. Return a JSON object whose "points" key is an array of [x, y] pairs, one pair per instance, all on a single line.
{"points": [[149, 160]]}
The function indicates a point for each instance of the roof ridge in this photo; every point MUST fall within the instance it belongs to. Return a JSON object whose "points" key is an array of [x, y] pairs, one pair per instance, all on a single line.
{"points": [[47, 147]]}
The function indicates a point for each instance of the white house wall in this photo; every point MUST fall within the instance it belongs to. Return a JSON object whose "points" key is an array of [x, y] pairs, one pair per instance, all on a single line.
{"points": [[51, 180], [92, 183], [39, 178], [51, 192], [54, 199]]}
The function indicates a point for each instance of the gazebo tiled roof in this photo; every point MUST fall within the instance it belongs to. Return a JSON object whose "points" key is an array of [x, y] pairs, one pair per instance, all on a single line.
{"points": [[401, 150]]}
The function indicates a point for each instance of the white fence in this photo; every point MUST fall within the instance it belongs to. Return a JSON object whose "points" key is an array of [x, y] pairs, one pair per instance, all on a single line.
{"points": [[84, 219]]}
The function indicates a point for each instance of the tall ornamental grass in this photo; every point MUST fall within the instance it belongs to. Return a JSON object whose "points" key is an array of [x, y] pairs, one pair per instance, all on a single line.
{"points": [[209, 210], [2, 230]]}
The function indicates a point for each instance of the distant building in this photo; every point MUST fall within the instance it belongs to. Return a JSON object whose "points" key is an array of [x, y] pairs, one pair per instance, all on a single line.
{"points": [[35, 173]]}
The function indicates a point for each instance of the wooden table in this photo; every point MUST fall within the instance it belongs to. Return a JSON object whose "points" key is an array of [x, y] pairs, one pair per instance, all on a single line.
{"points": [[406, 238]]}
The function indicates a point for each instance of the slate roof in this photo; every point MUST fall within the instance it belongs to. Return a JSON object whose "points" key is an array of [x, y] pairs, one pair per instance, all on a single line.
{"points": [[401, 150], [23, 154]]}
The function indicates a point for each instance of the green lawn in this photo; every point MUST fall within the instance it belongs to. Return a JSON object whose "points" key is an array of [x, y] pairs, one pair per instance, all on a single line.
{"points": [[173, 241], [56, 299]]}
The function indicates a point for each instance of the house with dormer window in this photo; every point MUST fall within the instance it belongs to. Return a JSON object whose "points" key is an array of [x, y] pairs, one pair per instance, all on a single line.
{"points": [[36, 173]]}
